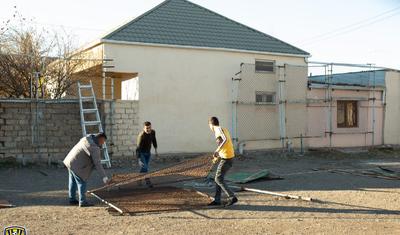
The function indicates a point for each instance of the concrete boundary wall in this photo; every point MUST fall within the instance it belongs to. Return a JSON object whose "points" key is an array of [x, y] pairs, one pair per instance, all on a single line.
{"points": [[45, 130]]}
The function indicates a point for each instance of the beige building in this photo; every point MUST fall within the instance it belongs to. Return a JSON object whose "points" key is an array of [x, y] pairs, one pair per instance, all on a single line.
{"points": [[185, 61], [346, 109], [392, 109], [356, 109]]}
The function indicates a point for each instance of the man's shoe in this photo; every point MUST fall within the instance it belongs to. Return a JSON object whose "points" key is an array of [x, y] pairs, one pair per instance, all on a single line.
{"points": [[73, 202], [85, 204], [214, 203], [231, 201], [148, 183]]}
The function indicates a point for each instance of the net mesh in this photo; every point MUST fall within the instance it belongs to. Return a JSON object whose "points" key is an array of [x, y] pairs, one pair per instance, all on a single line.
{"points": [[157, 199], [158, 191]]}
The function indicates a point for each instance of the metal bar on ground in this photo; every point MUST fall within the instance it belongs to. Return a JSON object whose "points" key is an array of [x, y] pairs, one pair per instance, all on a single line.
{"points": [[107, 203], [288, 196], [6, 204]]}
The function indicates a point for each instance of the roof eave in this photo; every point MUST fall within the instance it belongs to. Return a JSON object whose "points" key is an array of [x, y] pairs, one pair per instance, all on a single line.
{"points": [[344, 87], [201, 48], [87, 47]]}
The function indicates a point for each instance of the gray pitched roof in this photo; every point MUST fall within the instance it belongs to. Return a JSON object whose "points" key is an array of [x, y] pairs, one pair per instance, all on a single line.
{"points": [[180, 22], [364, 78]]}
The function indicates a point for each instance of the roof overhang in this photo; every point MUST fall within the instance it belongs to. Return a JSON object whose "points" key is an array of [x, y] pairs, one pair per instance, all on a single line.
{"points": [[96, 71], [201, 48], [345, 87]]}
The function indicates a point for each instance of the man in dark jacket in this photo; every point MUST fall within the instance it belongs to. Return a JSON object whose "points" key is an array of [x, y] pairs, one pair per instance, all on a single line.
{"points": [[80, 161], [145, 139]]}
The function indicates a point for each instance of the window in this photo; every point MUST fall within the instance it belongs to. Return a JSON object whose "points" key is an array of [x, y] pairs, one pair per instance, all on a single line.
{"points": [[265, 66], [347, 114], [263, 97]]}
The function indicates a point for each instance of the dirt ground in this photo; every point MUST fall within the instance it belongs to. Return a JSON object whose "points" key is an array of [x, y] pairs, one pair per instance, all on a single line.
{"points": [[348, 204]]}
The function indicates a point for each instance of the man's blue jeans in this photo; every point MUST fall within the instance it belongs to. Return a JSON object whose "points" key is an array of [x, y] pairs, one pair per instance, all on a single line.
{"points": [[75, 182], [220, 185], [144, 159]]}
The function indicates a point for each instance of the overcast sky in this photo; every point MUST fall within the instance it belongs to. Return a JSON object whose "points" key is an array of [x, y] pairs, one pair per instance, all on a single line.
{"points": [[357, 31]]}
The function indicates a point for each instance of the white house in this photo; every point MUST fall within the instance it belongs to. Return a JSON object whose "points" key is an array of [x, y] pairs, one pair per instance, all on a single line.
{"points": [[184, 57]]}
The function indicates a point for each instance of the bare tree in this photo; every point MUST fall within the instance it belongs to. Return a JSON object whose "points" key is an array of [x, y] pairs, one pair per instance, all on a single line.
{"points": [[36, 62], [68, 67]]}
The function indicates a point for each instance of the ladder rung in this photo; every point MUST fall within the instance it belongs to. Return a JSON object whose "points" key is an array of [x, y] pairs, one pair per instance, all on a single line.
{"points": [[91, 123], [87, 97], [89, 110], [85, 86]]}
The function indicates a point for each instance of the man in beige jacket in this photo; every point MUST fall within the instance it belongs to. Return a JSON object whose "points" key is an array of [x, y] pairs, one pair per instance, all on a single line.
{"points": [[80, 161]]}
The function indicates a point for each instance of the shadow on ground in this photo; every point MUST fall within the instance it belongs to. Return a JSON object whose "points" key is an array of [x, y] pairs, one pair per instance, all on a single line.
{"points": [[48, 186]]}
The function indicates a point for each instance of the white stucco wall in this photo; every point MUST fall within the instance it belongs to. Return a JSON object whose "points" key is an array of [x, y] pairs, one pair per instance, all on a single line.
{"points": [[130, 89], [392, 113], [179, 88]]}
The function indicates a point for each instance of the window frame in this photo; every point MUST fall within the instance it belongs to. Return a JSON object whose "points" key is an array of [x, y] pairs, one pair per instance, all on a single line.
{"points": [[356, 110], [263, 71], [265, 93]]}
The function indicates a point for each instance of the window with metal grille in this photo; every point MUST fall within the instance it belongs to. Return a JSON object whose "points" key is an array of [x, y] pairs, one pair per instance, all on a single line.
{"points": [[263, 97], [265, 66], [347, 114]]}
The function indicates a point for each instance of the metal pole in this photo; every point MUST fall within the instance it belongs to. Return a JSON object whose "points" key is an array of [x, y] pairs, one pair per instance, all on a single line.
{"points": [[235, 94], [328, 100], [103, 75], [373, 109], [31, 88], [36, 105], [233, 113], [282, 111], [301, 145], [103, 84], [36, 84], [112, 88], [112, 107], [347, 65], [287, 196], [107, 203], [330, 72], [384, 112]]}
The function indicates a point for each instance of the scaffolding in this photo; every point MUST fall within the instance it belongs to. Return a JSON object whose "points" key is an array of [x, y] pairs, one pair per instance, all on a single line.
{"points": [[285, 121]]}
